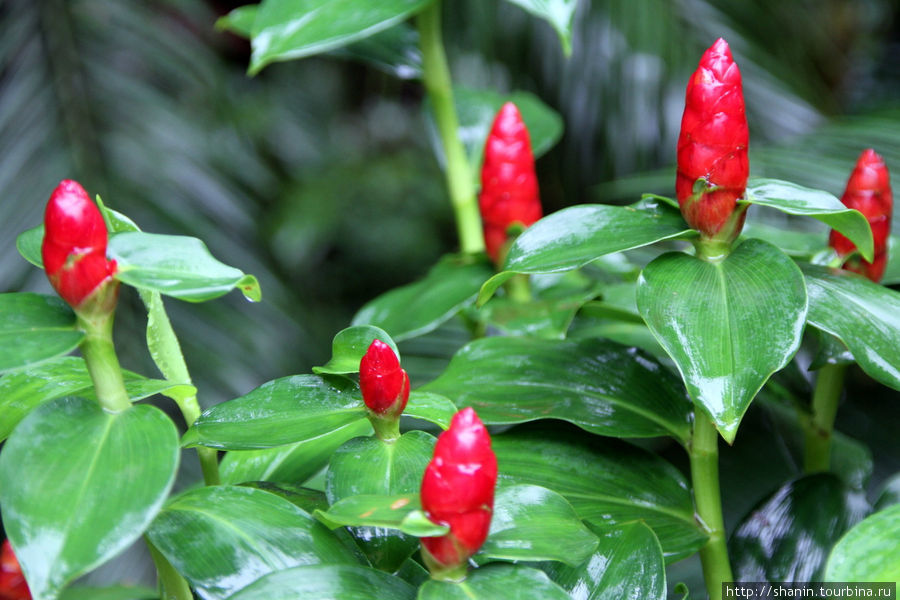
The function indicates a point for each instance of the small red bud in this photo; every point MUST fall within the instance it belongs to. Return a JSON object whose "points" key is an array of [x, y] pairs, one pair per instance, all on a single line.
{"points": [[74, 247], [868, 191], [713, 143], [509, 187], [385, 386], [12, 582]]}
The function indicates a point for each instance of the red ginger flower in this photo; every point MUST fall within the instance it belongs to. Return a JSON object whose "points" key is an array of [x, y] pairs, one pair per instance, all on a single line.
{"points": [[869, 192], [509, 188], [74, 247], [713, 143], [12, 582], [385, 386], [458, 491]]}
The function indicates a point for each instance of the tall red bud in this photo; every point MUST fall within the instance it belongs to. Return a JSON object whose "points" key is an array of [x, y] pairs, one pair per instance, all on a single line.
{"points": [[385, 386], [869, 192], [12, 582], [712, 146], [509, 187], [74, 247], [458, 491]]}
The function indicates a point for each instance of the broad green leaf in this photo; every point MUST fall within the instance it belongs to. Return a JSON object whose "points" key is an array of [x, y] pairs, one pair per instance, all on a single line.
{"points": [[223, 538], [118, 592], [578, 235], [28, 243], [304, 498], [339, 582], [422, 306], [869, 551], [798, 200], [608, 482], [598, 385], [401, 512], [177, 266], [289, 29], [239, 21], [284, 411], [495, 581], [349, 346], [433, 408], [68, 516], [628, 563], [727, 325], [862, 314], [558, 13], [533, 523], [788, 535], [394, 51], [34, 328]]}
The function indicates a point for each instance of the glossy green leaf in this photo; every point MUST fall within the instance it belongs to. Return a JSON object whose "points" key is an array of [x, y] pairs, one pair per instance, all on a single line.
{"points": [[788, 535], [34, 328], [628, 563], [608, 482], [578, 235], [533, 523], [290, 29], [869, 551], [304, 498], [433, 408], [598, 385], [422, 306], [337, 582], [349, 346], [402, 512], [394, 51], [239, 21], [727, 325], [284, 411], [892, 270], [177, 266], [889, 494], [798, 200], [118, 470], [28, 243], [862, 314], [558, 13], [512, 582], [293, 463], [119, 592], [223, 538]]}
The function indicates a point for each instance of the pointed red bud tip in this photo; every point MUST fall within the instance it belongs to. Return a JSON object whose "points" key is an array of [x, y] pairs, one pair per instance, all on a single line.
{"points": [[712, 146], [74, 247], [385, 386], [509, 187], [869, 192], [458, 490], [12, 582]]}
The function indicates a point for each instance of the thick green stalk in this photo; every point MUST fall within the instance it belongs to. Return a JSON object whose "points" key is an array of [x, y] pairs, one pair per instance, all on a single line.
{"points": [[440, 89], [829, 383], [704, 454], [102, 362], [172, 585]]}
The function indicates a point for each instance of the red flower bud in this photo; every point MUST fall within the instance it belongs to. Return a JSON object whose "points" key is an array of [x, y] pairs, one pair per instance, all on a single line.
{"points": [[12, 582], [385, 386], [869, 192], [509, 188], [713, 144], [458, 491], [74, 248]]}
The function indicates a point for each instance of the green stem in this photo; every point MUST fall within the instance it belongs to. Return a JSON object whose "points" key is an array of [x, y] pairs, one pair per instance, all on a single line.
{"points": [[172, 585], [209, 457], [436, 75], [829, 383], [519, 288], [704, 454], [102, 362]]}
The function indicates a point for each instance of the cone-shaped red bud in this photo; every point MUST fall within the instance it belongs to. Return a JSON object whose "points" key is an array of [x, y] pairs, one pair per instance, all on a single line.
{"points": [[74, 247], [385, 386], [12, 582], [509, 187], [869, 192], [713, 143], [458, 491]]}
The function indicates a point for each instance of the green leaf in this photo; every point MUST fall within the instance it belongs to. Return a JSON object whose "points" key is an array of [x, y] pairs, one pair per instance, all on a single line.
{"points": [[598, 385], [284, 411], [627, 563], [401, 512], [327, 581], [798, 200], [34, 328], [289, 29], [495, 581], [869, 551], [889, 494], [239, 21], [223, 538], [433, 408], [862, 314], [788, 535], [28, 243], [422, 306], [533, 523], [304, 498], [608, 482], [727, 325], [892, 270], [177, 266], [578, 235], [394, 51], [558, 13], [118, 592], [349, 346], [116, 472]]}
